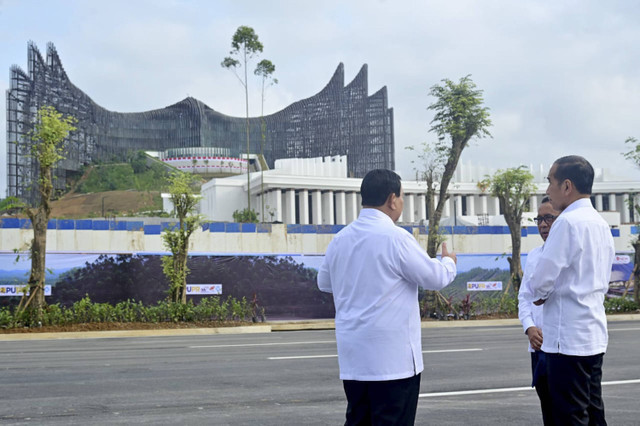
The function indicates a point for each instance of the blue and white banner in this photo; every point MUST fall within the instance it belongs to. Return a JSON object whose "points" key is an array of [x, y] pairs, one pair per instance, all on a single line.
{"points": [[202, 289], [18, 290], [484, 285]]}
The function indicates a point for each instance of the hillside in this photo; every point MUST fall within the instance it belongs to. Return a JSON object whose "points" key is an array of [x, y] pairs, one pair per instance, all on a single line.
{"points": [[107, 204]]}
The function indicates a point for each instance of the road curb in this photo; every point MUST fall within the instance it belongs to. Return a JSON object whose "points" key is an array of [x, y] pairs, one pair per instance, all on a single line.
{"points": [[262, 328]]}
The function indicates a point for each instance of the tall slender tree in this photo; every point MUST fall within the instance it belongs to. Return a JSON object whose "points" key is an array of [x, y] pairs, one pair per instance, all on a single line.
{"points": [[264, 70], [513, 188], [48, 135], [245, 45], [459, 117]]}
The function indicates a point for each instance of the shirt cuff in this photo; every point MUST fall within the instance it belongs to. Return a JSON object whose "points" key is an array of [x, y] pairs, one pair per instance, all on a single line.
{"points": [[526, 323]]}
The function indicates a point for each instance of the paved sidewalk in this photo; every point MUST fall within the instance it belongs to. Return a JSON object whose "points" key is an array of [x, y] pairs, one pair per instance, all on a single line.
{"points": [[268, 327]]}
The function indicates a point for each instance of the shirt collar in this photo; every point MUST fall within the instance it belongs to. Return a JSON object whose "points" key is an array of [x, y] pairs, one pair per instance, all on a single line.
{"points": [[369, 213], [578, 204]]}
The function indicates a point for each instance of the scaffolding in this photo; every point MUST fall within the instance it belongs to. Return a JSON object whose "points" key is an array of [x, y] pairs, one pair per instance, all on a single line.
{"points": [[339, 120]]}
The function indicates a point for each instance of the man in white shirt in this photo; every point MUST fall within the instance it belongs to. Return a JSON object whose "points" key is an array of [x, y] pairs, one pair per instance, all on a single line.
{"points": [[572, 278], [374, 268], [530, 315]]}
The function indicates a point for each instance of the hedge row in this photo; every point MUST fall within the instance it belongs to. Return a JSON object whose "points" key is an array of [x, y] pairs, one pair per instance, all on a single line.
{"points": [[84, 311]]}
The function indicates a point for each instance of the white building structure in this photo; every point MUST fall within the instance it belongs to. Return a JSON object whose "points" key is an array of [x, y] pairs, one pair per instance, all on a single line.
{"points": [[317, 191]]}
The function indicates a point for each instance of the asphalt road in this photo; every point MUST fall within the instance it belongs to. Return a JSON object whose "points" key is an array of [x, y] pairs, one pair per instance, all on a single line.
{"points": [[473, 376]]}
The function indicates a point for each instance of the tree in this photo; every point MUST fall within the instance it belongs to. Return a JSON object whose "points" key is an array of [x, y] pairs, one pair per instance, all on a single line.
{"points": [[513, 188], [244, 45], [265, 70], [634, 156], [459, 117], [176, 239], [48, 135], [429, 166]]}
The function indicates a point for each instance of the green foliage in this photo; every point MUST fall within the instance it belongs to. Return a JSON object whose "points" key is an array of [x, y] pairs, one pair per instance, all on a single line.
{"points": [[85, 311], [176, 239], [634, 154], [245, 216], [49, 133], [513, 187], [121, 177], [619, 304], [459, 114], [11, 205]]}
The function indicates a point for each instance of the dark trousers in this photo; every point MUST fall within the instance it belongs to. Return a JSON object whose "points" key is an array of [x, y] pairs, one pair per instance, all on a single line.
{"points": [[539, 374], [391, 402], [576, 390]]}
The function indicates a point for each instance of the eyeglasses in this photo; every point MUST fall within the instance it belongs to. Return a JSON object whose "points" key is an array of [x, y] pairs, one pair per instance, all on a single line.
{"points": [[547, 218]]}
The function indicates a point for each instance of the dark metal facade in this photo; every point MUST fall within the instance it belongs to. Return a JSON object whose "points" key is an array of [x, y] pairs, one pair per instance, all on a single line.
{"points": [[339, 120]]}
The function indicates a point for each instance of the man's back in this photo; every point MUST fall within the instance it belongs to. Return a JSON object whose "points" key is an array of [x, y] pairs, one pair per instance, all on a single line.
{"points": [[580, 247], [374, 268]]}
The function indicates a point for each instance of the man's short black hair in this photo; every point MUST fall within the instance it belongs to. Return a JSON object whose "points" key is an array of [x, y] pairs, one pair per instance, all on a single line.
{"points": [[377, 185], [578, 170]]}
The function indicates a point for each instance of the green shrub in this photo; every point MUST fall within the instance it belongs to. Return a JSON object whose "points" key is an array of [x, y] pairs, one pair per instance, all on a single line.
{"points": [[85, 311], [619, 304]]}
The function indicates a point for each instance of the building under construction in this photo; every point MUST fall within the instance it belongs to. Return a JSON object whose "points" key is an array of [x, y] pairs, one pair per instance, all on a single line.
{"points": [[339, 120]]}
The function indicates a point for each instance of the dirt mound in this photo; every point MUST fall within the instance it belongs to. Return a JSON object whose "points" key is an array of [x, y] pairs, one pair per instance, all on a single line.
{"points": [[105, 204]]}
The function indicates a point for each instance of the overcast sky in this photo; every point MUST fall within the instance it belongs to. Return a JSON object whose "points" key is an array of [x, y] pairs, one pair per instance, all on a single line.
{"points": [[560, 77]]}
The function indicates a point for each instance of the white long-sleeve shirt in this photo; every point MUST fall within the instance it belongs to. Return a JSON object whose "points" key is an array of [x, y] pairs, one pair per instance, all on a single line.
{"points": [[374, 268], [529, 314], [573, 274]]}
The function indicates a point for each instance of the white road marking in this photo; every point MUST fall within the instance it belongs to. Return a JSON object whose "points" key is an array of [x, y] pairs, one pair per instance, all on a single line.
{"points": [[625, 329], [263, 344], [335, 355], [519, 389], [302, 357], [452, 350]]}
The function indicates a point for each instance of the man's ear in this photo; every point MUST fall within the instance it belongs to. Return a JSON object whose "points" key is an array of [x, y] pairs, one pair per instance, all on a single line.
{"points": [[567, 186], [391, 201]]}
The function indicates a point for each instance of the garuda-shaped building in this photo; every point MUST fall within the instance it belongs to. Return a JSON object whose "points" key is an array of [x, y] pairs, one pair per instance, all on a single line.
{"points": [[339, 120]]}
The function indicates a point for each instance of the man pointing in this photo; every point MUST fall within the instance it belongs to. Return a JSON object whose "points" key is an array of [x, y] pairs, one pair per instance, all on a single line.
{"points": [[374, 269]]}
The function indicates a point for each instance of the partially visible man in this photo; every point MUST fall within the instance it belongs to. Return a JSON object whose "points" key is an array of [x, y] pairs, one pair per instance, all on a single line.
{"points": [[374, 268], [530, 315], [572, 278]]}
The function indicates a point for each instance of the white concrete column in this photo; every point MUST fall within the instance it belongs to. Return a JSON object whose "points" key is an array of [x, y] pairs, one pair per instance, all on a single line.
{"points": [[533, 203], [599, 202], [316, 207], [303, 208], [446, 211], [625, 209], [422, 207], [496, 206], [483, 204], [358, 204], [612, 203], [352, 207], [471, 205], [458, 201], [290, 206], [341, 208], [277, 204], [327, 208], [408, 212]]}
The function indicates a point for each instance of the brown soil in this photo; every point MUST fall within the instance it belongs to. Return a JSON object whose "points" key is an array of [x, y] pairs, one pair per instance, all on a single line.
{"points": [[103, 204]]}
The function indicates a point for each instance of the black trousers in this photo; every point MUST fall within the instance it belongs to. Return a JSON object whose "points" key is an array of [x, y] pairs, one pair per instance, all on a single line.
{"points": [[575, 386], [391, 402], [539, 374]]}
